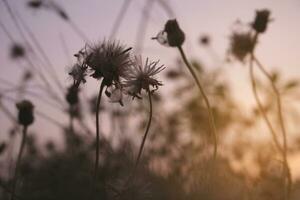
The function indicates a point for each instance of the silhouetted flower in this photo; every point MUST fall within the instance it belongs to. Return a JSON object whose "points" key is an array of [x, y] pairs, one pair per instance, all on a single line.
{"points": [[172, 35], [140, 76], [78, 73], [108, 60], [17, 51], [25, 116], [241, 44], [261, 20]]}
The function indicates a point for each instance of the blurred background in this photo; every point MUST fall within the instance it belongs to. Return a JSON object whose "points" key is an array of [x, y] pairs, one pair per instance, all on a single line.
{"points": [[38, 43]]}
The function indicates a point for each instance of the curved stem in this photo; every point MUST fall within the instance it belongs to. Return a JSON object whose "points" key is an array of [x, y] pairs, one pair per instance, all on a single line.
{"points": [[210, 114], [281, 122], [97, 129], [15, 180], [145, 134], [261, 109]]}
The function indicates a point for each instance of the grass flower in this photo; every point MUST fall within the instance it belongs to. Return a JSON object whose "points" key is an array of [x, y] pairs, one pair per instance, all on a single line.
{"points": [[107, 61], [25, 118], [78, 73], [241, 45], [261, 20], [141, 77], [173, 36]]}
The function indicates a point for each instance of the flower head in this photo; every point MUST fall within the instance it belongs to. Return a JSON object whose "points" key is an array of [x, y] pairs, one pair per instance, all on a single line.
{"points": [[25, 116], [172, 35], [261, 20], [108, 60], [141, 76], [78, 73], [242, 44]]}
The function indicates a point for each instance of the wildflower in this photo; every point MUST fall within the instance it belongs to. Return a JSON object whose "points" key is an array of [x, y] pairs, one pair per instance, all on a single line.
{"points": [[78, 73], [172, 35], [109, 61], [140, 76], [242, 44], [261, 20], [25, 116]]}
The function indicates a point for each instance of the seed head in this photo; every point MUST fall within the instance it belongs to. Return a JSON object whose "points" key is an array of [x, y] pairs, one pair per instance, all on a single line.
{"points": [[140, 76], [242, 44], [261, 20], [25, 116]]}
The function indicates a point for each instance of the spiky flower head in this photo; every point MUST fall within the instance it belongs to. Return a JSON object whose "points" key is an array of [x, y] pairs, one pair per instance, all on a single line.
{"points": [[241, 45], [261, 20], [108, 60], [25, 115], [172, 35], [140, 76], [78, 73]]}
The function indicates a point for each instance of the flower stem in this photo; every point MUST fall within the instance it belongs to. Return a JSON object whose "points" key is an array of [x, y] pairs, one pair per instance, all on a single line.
{"points": [[261, 109], [97, 130], [282, 125], [145, 134], [210, 114], [15, 180]]}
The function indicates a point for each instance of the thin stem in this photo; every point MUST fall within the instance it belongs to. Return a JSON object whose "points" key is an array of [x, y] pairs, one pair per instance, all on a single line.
{"points": [[97, 129], [15, 180], [209, 110], [281, 122], [145, 134], [261, 109]]}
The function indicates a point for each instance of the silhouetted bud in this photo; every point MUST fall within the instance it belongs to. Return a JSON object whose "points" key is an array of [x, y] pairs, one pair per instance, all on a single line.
{"points": [[72, 95], [261, 20], [25, 116], [174, 34], [17, 51], [242, 44]]}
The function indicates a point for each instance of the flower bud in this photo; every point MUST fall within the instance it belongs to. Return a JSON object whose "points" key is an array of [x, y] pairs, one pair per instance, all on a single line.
{"points": [[174, 34], [72, 95], [25, 116], [261, 20]]}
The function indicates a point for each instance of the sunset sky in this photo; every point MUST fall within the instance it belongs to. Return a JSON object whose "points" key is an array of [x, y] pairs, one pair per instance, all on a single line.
{"points": [[278, 48]]}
